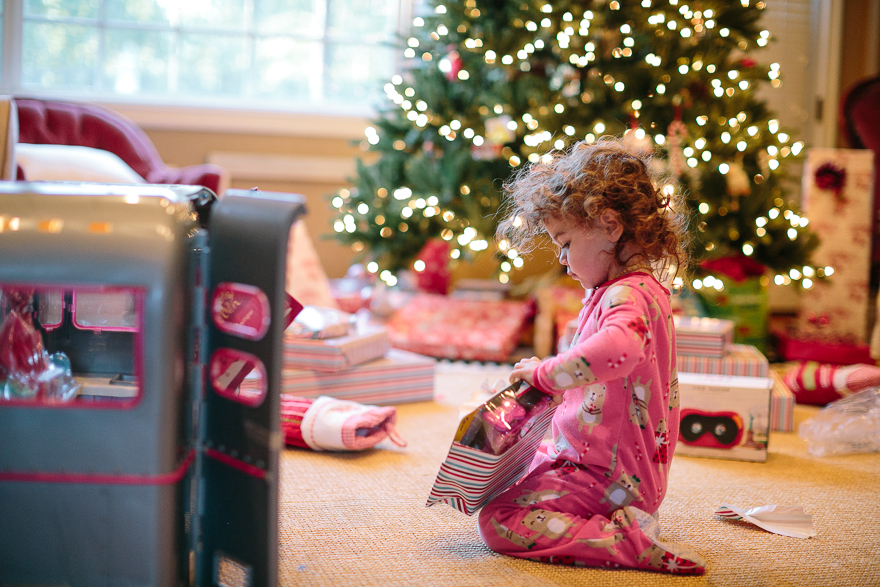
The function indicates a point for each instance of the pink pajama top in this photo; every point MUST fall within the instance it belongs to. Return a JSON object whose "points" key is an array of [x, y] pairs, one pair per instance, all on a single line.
{"points": [[619, 410]]}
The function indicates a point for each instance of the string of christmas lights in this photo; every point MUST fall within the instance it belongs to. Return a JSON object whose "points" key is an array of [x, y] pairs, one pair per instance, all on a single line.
{"points": [[486, 90]]}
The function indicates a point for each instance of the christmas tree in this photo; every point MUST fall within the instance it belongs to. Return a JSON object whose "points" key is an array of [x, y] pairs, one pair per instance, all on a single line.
{"points": [[492, 84]]}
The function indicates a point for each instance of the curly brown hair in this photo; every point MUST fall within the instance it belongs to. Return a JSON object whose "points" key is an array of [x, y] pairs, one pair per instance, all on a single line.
{"points": [[579, 184]]}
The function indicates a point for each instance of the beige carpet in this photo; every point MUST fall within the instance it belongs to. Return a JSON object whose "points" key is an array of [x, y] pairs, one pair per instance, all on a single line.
{"points": [[359, 519]]}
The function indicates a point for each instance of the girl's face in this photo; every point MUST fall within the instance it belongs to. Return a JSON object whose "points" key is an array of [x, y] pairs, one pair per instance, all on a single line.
{"points": [[588, 253]]}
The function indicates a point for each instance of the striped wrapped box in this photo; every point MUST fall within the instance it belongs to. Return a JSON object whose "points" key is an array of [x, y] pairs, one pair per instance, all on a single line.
{"points": [[741, 359], [470, 478], [335, 354], [708, 337], [781, 405], [398, 377]]}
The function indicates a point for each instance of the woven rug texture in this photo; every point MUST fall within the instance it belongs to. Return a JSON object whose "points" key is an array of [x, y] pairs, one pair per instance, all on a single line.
{"points": [[359, 519]]}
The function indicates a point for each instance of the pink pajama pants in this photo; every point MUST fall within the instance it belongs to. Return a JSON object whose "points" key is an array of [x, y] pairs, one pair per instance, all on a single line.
{"points": [[560, 513]]}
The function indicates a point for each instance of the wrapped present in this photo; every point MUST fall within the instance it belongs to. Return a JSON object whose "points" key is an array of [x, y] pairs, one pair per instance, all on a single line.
{"points": [[837, 197], [396, 378], [335, 354], [814, 345], [782, 402], [708, 337], [741, 359], [745, 304], [459, 329], [492, 448], [724, 416], [321, 322]]}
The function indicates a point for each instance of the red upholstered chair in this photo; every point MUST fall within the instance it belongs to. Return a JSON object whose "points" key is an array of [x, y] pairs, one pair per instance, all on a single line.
{"points": [[89, 125], [860, 123]]}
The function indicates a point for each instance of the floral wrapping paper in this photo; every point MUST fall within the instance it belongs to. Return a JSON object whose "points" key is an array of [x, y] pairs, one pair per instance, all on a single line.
{"points": [[459, 329], [838, 200]]}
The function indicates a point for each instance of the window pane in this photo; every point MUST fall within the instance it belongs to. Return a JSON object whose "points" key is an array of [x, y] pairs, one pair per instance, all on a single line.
{"points": [[58, 56], [292, 17], [145, 11], [212, 65], [137, 61], [365, 20], [62, 8], [355, 72], [224, 14], [63, 364], [289, 69]]}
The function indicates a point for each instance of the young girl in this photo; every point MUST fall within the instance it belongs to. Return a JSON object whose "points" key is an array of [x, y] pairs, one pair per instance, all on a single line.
{"points": [[591, 497]]}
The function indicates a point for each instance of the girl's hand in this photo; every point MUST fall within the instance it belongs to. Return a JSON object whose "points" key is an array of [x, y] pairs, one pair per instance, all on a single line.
{"points": [[524, 370]]}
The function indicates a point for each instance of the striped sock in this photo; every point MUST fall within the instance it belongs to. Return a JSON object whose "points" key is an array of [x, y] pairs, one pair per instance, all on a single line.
{"points": [[821, 383]]}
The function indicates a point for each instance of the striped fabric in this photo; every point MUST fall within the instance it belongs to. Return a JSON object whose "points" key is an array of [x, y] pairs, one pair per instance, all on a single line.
{"points": [[470, 478], [292, 411]]}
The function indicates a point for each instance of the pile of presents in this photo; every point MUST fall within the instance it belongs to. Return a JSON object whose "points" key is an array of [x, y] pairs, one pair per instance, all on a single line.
{"points": [[333, 353], [730, 398]]}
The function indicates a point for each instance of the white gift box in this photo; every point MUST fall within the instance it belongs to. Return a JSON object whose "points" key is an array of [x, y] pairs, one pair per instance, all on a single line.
{"points": [[724, 416]]}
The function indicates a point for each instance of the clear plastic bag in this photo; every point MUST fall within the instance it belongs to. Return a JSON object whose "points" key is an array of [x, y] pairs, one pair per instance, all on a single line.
{"points": [[848, 425]]}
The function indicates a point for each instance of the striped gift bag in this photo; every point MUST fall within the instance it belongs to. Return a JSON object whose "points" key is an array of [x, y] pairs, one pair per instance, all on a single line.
{"points": [[470, 478]]}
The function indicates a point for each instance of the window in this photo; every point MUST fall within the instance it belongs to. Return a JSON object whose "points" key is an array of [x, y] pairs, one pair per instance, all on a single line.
{"points": [[286, 54], [71, 346]]}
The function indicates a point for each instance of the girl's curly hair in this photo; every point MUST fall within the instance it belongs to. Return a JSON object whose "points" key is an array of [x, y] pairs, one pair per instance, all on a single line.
{"points": [[579, 184]]}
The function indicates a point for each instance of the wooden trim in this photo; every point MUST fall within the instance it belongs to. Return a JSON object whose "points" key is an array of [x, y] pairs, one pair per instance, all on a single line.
{"points": [[269, 166]]}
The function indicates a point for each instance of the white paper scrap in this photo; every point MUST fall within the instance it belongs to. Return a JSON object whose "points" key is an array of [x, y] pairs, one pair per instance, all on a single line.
{"points": [[786, 520]]}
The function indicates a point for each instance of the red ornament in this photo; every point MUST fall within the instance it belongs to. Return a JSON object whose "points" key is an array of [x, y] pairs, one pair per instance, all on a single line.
{"points": [[748, 62], [455, 65], [435, 277]]}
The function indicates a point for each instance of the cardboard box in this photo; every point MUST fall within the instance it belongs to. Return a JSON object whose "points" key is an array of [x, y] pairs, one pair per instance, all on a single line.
{"points": [[724, 416]]}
